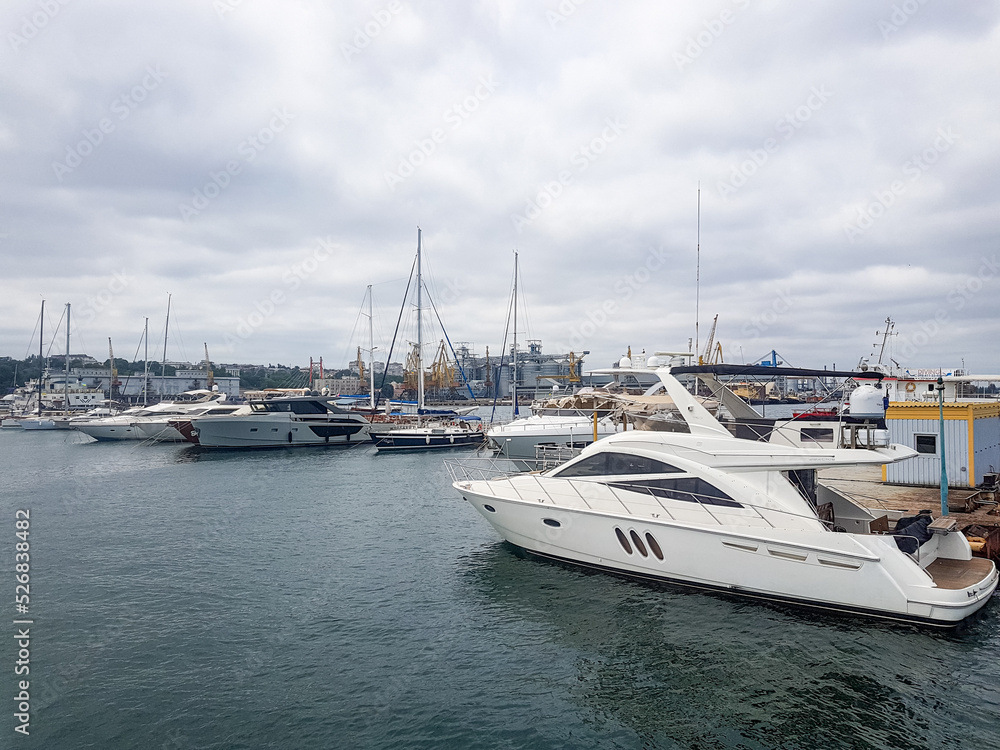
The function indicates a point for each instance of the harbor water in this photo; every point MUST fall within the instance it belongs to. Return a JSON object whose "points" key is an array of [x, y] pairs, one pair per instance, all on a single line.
{"points": [[340, 598]]}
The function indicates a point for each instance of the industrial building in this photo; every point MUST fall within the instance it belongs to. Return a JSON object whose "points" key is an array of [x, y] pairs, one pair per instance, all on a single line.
{"points": [[537, 373], [160, 386]]}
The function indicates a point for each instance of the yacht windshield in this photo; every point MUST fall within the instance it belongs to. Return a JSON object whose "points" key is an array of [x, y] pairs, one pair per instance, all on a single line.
{"points": [[295, 407], [613, 464]]}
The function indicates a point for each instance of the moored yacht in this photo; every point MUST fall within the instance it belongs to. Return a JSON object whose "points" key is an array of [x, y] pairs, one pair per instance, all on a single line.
{"points": [[709, 510], [161, 429], [519, 438], [122, 425], [280, 422], [428, 436]]}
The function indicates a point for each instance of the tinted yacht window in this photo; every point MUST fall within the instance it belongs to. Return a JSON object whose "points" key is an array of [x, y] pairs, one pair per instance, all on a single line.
{"points": [[688, 489], [603, 464], [592, 466], [308, 407], [624, 463]]}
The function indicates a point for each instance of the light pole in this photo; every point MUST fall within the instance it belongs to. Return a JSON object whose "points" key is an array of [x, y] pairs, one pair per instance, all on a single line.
{"points": [[944, 469]]}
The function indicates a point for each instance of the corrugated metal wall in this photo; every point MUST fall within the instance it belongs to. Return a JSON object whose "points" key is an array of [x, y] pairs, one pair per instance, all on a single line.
{"points": [[987, 442], [925, 468]]}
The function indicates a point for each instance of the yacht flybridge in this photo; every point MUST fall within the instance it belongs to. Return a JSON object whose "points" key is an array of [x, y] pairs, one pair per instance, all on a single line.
{"points": [[709, 510]]}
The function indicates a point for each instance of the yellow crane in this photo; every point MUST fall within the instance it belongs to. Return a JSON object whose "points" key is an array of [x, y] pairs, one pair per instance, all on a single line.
{"points": [[710, 356], [574, 375], [411, 374], [442, 370]]}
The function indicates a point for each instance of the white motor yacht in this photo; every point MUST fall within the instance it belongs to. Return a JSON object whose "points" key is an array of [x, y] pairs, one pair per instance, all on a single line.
{"points": [[122, 425], [282, 422], [160, 428], [709, 510]]}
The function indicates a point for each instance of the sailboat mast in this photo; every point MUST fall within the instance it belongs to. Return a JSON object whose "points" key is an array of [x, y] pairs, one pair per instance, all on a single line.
{"points": [[513, 398], [371, 349], [697, 278], [163, 364], [66, 379], [41, 367], [420, 365], [145, 365]]}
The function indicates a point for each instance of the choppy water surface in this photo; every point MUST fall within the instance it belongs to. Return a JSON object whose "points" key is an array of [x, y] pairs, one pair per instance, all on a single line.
{"points": [[338, 598]]}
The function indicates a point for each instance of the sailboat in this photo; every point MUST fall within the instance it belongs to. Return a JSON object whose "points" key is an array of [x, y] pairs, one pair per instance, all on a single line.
{"points": [[437, 433], [519, 439]]}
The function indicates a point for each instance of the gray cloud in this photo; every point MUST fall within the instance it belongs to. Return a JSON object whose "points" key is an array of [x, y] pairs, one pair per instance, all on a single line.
{"points": [[278, 125]]}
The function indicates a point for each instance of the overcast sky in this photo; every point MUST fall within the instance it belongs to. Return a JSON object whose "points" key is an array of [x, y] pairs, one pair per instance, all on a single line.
{"points": [[263, 162]]}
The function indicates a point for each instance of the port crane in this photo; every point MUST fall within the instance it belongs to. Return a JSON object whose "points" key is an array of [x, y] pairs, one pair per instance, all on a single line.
{"points": [[114, 383], [710, 356]]}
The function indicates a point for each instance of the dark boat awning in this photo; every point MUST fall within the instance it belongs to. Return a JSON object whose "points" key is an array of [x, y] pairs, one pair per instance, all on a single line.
{"points": [[772, 372]]}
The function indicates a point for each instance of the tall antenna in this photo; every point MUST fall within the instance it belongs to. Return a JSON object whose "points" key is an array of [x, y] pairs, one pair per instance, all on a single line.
{"points": [[697, 277]]}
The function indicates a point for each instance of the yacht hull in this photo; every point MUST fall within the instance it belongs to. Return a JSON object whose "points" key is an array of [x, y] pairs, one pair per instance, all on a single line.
{"points": [[160, 432], [107, 431], [519, 438], [389, 441], [265, 432], [851, 573]]}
